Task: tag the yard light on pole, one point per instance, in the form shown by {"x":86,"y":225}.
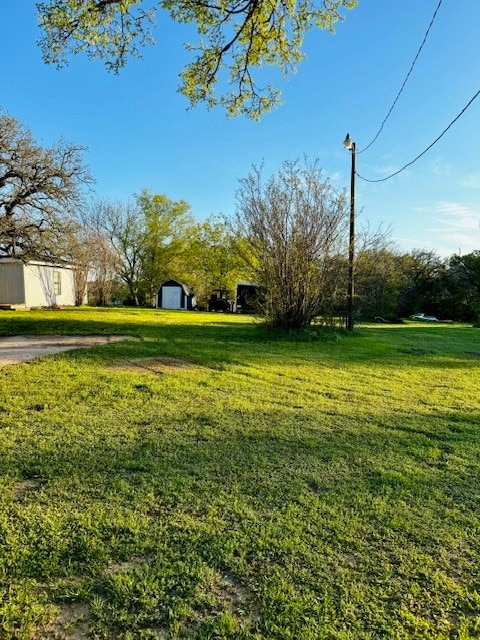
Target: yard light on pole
{"x":350,"y":145}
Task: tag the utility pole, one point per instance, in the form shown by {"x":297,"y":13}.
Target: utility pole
{"x":349,"y":144}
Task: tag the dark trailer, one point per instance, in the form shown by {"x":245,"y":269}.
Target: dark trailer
{"x":247,"y":297}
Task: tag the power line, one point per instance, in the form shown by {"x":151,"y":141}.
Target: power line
{"x":429,"y":146}
{"x":406,"y":79}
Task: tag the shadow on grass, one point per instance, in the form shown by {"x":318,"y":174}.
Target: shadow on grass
{"x":258,"y":458}
{"x":303,"y":502}
{"x":230,"y":339}
{"x":272,"y":497}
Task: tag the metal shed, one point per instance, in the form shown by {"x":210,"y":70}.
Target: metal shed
{"x":173,"y":294}
{"x":36,"y":284}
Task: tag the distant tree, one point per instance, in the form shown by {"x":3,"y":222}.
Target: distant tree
{"x":391,"y":284}
{"x":102,"y":272}
{"x":142,"y":242}
{"x":294,"y":226}
{"x":463,"y":287}
{"x":213,"y":261}
{"x":378,"y":283}
{"x":40,"y":188}
{"x":122,"y":224}
{"x":93,"y":255}
{"x":379,"y":280}
{"x":423,"y":288}
{"x":168,"y":226}
{"x":82,"y":252}
{"x":236,"y":37}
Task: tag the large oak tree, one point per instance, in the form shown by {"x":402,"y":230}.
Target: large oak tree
{"x":236,"y":38}
{"x":40,"y":188}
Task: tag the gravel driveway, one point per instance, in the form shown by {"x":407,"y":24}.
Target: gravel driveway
{"x":22,"y":348}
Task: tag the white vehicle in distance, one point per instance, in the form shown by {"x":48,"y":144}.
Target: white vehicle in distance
{"x":424,"y":318}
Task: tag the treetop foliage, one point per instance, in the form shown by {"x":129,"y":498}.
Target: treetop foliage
{"x":235,"y":38}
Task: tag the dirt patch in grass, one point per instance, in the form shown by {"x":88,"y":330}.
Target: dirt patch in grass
{"x":225,"y":595}
{"x":70,"y":624}
{"x":236,"y":597}
{"x":128,"y":565}
{"x":24,"y":487}
{"x":157,"y":365}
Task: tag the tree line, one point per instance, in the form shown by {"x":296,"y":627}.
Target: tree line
{"x":128,"y":249}
{"x":394,"y":285}
{"x":288,"y":234}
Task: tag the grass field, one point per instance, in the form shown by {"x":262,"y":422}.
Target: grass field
{"x":206,"y":479}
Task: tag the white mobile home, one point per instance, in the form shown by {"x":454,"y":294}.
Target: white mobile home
{"x":36,"y":284}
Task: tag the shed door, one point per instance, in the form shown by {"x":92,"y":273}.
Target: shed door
{"x":171,"y":297}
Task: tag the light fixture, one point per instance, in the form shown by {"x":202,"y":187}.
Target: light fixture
{"x":347,"y":143}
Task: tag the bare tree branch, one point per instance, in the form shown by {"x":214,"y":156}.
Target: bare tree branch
{"x":292,"y":227}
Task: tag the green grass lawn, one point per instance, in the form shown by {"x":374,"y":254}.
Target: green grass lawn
{"x":206,"y":479}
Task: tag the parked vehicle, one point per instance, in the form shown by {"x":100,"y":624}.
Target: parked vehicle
{"x":247,"y":297}
{"x":424,"y":318}
{"x":219,"y":301}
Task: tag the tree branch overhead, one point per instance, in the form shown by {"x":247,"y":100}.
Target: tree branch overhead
{"x":236,"y":38}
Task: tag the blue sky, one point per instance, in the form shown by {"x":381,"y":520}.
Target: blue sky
{"x":139,"y":132}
